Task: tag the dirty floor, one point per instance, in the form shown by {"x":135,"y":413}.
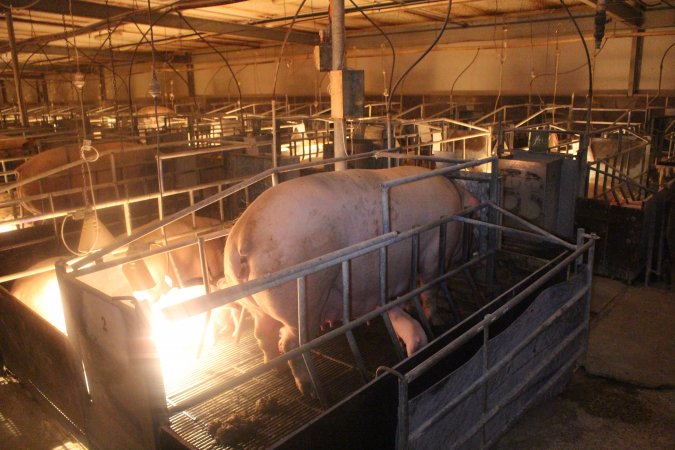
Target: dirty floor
{"x":623,"y":397}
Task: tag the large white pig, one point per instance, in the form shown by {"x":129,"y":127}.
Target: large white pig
{"x":184,"y":266}
{"x":311,"y":216}
{"x":131,"y":166}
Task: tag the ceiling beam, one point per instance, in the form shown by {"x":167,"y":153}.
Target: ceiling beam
{"x":621,"y":10}
{"x":93,"y":10}
{"x":103,"y":55}
{"x":31,"y":70}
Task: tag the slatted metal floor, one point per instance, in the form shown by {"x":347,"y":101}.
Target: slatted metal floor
{"x":334,"y":362}
{"x":335,"y":366}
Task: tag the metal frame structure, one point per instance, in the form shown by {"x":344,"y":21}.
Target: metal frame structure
{"x":82,"y":301}
{"x":421,"y":419}
{"x":620,"y":203}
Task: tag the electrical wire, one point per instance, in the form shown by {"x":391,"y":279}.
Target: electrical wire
{"x":589,"y":99}
{"x":79,"y":89}
{"x":502,"y":60}
{"x":283,"y":46}
{"x":133,"y":57}
{"x":20,"y":7}
{"x":225,"y":60}
{"x":112,"y":63}
{"x":386,"y":37}
{"x":567,"y":72}
{"x":663,"y":58}
{"x":422,"y":56}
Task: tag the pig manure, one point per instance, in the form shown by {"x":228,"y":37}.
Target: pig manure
{"x":213,"y":426}
{"x":267,"y":405}
{"x":233,"y":430}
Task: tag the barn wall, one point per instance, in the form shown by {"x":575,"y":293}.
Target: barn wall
{"x":531,"y":50}
{"x":654,"y":49}
{"x":528,"y":51}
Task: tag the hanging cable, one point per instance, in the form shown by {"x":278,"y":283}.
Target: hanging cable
{"x":20,"y":7}
{"x":112,"y":66}
{"x":422,"y":56}
{"x":386,"y":37}
{"x":452,"y":89}
{"x":155,"y":91}
{"x":283,"y":46}
{"x":663,"y":58}
{"x":589,"y":99}
{"x":502,"y":60}
{"x":227,"y":63}
{"x":78,"y":78}
{"x":557,"y":66}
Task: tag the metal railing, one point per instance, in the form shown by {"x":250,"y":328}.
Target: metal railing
{"x":451,"y":139}
{"x":300,"y":272}
{"x":488,"y":368}
{"x":234,"y":293}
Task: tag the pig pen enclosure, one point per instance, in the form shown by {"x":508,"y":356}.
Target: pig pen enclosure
{"x":127,"y":375}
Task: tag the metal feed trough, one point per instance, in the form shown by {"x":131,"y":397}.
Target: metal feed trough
{"x":464,"y":389}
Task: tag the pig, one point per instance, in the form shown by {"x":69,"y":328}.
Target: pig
{"x":15,"y":146}
{"x":310,"y":216}
{"x":147,"y":120}
{"x":186,"y":259}
{"x":41,"y":292}
{"x":129,"y":165}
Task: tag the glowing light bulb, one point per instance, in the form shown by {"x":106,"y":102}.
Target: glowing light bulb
{"x":78,"y":80}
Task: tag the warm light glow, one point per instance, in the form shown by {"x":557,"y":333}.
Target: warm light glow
{"x":304,"y":148}
{"x":178,"y":341}
{"x":6,"y":212}
{"x":6,"y":228}
{"x":46,"y":301}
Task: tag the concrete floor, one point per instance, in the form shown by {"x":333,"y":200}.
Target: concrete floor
{"x":623,"y":397}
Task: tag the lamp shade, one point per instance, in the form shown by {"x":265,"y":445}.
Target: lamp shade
{"x":138,"y":275}
{"x":94,"y":234}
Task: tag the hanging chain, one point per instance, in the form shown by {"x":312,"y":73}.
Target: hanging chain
{"x":112,"y":66}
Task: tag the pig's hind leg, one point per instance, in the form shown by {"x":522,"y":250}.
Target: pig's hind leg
{"x":303,"y":381}
{"x":266,"y":331}
{"x":407,"y":329}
